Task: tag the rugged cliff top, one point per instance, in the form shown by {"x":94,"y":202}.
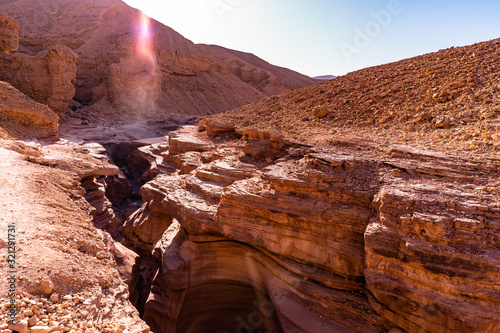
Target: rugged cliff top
{"x":448,"y":100}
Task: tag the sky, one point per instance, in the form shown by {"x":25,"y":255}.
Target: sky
{"x":329,"y":37}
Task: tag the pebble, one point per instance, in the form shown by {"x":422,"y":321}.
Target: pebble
{"x":40,"y":329}
{"x":54,"y":298}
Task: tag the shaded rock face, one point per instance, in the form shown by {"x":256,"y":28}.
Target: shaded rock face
{"x":9,"y":38}
{"x":183,"y":79}
{"x":286,"y":237}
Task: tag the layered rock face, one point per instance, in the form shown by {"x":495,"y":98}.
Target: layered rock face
{"x":47,"y":77}
{"x":184,"y":79}
{"x":256,"y":232}
{"x":432,"y":248}
{"x":21,"y":116}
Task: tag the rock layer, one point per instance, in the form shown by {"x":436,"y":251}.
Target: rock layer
{"x":356,"y":238}
{"x":23,"y":117}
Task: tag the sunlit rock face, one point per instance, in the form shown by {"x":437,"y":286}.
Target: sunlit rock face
{"x":264,"y":234}
{"x":47,"y":77}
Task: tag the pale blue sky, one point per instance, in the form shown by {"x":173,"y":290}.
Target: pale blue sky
{"x":318,"y":37}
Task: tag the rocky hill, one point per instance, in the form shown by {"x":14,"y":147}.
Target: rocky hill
{"x":444,"y":100}
{"x":176,"y":77}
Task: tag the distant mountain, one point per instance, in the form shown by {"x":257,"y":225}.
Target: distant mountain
{"x":325,"y":77}
{"x":177,"y":77}
{"x":257,"y":72}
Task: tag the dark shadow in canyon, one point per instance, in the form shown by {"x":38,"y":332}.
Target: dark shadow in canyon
{"x":227,"y":308}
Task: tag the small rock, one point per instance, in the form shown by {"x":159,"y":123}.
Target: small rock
{"x":423,"y":116}
{"x":54,"y":298}
{"x":32,"y":321}
{"x":101,"y":255}
{"x":20,"y":326}
{"x":28,"y":313}
{"x":320,"y":112}
{"x":40,"y":329}
{"x":68,"y":298}
{"x":442,"y":122}
{"x":46,"y":287}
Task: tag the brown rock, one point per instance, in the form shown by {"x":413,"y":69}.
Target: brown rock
{"x":47,"y":77}
{"x":9,"y":39}
{"x":24,"y":116}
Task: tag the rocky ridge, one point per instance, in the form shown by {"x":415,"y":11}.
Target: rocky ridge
{"x":448,"y":100}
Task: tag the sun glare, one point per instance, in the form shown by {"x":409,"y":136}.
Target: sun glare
{"x":145,"y":37}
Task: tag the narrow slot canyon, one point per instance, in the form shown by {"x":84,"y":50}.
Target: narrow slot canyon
{"x":246,"y":232}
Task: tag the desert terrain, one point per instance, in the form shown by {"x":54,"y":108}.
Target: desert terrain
{"x":165,"y":186}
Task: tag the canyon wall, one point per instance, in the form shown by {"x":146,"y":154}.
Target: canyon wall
{"x":47,"y":77}
{"x":254,"y":232}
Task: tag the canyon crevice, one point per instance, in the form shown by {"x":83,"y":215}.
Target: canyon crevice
{"x":283,"y":236}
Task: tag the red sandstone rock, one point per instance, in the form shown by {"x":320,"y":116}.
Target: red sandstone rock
{"x":9,"y":39}
{"x":21,"y":116}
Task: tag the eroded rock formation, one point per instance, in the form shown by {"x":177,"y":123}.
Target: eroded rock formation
{"x":21,"y":116}
{"x":47,"y":77}
{"x":259,"y":232}
{"x":184,"y":80}
{"x":9,"y":38}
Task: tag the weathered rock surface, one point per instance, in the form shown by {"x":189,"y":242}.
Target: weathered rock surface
{"x":67,"y":278}
{"x":269,"y":79}
{"x":21,"y":116}
{"x":9,"y":38}
{"x":47,"y":77}
{"x":183,"y":79}
{"x":288,"y":237}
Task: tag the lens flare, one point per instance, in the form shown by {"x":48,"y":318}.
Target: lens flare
{"x":145,"y":37}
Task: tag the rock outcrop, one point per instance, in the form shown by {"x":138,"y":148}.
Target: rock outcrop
{"x":181,"y":79}
{"x":66,"y":276}
{"x":259,"y":232}
{"x":47,"y":77}
{"x":21,"y":116}
{"x":9,"y":38}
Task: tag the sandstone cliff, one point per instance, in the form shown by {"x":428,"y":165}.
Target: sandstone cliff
{"x":47,"y":77}
{"x":177,"y":75}
{"x":332,"y":230}
{"x":284,"y":236}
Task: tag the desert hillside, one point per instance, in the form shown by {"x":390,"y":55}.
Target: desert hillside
{"x":445,"y":100}
{"x":178,"y":77}
{"x":369,"y":203}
